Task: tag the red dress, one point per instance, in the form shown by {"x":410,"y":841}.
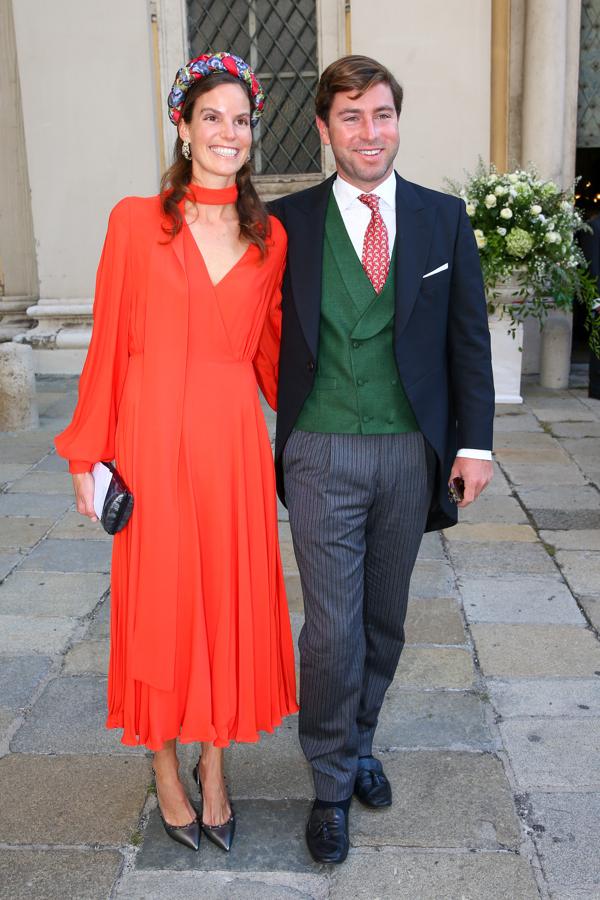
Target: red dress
{"x":201,"y":646}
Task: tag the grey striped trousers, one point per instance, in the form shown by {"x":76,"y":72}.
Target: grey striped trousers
{"x":357,"y":506}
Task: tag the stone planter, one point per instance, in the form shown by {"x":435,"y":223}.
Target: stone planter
{"x":507,"y":356}
{"x":555,"y":340}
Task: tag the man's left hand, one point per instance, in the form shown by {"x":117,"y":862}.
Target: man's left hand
{"x":476,"y":474}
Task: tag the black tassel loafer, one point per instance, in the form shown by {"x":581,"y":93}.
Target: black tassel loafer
{"x":188,"y":835}
{"x":327,"y":835}
{"x":371,"y":786}
{"x":221,"y":835}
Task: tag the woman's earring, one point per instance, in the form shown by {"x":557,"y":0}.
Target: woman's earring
{"x":185,"y":150}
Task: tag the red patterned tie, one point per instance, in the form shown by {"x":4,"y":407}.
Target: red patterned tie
{"x":376,"y":250}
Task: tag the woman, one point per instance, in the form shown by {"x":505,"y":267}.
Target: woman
{"x":186,"y":321}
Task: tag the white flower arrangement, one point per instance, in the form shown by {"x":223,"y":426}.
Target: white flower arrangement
{"x":524,"y":228}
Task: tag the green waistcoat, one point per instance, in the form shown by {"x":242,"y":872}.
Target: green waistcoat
{"x":357,"y":388}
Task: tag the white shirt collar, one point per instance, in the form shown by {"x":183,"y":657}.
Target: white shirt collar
{"x":346,"y":193}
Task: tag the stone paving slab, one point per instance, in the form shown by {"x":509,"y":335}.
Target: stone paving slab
{"x":87,"y":657}
{"x":8,"y":561}
{"x":432,"y":578}
{"x":500,"y":559}
{"x":400,"y":874}
{"x":71,"y":799}
{"x":431,"y":546}
{"x":547,"y":754}
{"x":532,"y":474}
{"x":491,"y":532}
{"x":581,"y":569}
{"x":584,"y":450}
{"x":20,"y":676}
{"x":565,"y":519}
{"x":7,"y":717}
{"x":293,"y":590}
{"x":269,"y":837}
{"x":524,"y":440}
{"x":69,"y":717}
{"x":42,"y":482}
{"x":22,"y":533}
{"x":433,"y":720}
{"x":568,"y":697}
{"x":11,"y":471}
{"x":523,"y":421}
{"x":53,"y":463}
{"x":79,"y":527}
{"x":582,"y":539}
{"x":296,"y":622}
{"x":575,"y":429}
{"x":490,"y":508}
{"x":70,"y":556}
{"x":435,"y":667}
{"x":40,"y":594}
{"x":272,"y":769}
{"x":169,"y":885}
{"x":536,"y":650}
{"x":527,"y":599}
{"x":40,"y":505}
{"x":58,"y":874}
{"x":288,"y":560}
{"x":434,"y":621}
{"x":562,"y":411}
{"x":550,"y":454}
{"x":99,"y":626}
{"x":560,"y":497}
{"x":591,"y":607}
{"x":24,"y":446}
{"x":447,"y":799}
{"x":567,"y":835}
{"x":21,"y":634}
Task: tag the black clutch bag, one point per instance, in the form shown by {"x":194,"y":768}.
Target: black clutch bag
{"x":113,"y":501}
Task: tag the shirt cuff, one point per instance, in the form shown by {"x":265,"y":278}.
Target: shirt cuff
{"x":77,"y":466}
{"x":476,"y":454}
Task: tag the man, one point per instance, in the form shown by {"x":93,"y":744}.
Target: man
{"x":384,"y":374}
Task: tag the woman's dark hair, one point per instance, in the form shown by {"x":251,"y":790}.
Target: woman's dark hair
{"x":353,"y":74}
{"x":252,"y":213}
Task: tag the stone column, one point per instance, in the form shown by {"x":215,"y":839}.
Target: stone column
{"x":550,"y":86}
{"x":18,"y":267}
{"x":63,"y":324}
{"x":18,"y":404}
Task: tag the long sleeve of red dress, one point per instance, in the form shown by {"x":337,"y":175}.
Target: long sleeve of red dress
{"x":91,"y":435}
{"x":266,"y":359}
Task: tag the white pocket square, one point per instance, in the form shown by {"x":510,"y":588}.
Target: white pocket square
{"x":435,"y":271}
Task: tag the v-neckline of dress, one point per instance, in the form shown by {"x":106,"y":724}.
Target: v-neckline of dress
{"x":216,"y":284}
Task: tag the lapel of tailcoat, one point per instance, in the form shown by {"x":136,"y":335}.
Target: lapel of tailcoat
{"x":305,"y":223}
{"x":414,"y":231}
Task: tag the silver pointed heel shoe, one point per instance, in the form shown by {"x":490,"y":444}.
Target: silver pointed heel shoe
{"x":188,"y":835}
{"x":221,"y":835}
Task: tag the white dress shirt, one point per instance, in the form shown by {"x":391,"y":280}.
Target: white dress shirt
{"x":356,"y":217}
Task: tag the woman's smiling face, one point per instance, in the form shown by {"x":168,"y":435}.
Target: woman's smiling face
{"x":219,"y":133}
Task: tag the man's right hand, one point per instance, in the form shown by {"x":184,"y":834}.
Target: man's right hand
{"x":83,"y":485}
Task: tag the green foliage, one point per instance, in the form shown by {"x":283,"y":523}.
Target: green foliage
{"x":525,"y":228}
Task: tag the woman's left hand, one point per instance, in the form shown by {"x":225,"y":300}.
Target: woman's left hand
{"x":83,"y":485}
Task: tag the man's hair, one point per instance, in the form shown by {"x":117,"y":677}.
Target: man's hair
{"x":353,"y":74}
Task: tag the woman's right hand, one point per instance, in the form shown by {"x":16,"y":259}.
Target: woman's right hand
{"x":83,"y":485}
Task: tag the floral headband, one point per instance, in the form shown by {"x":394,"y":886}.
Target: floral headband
{"x":204,"y":65}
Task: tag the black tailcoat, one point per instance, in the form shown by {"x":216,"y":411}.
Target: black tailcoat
{"x":441,"y":335}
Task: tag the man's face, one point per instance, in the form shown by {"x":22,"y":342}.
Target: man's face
{"x":364,"y":136}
